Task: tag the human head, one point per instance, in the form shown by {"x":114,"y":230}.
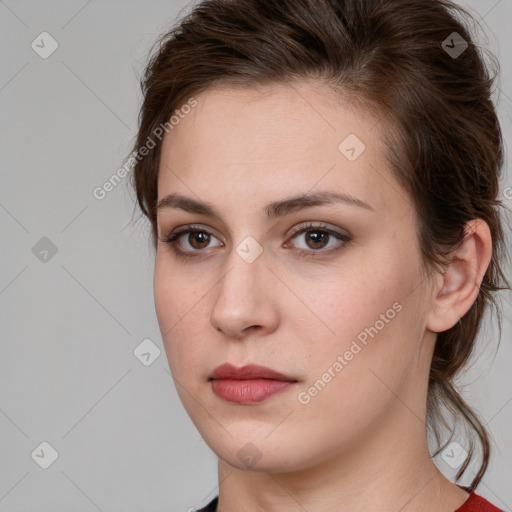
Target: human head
{"x":441,"y":133}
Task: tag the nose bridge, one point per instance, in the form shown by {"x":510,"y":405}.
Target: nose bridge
{"x":245,"y":269}
{"x":242,"y":298}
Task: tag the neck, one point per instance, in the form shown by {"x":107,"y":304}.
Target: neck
{"x":386,"y":470}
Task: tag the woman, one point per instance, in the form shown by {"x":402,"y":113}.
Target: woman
{"x":324,"y":210}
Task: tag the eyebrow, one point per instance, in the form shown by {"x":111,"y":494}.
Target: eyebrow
{"x":272,"y":210}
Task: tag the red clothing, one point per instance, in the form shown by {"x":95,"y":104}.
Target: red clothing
{"x":474,"y":503}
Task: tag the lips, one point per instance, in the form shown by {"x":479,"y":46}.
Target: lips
{"x":248,"y":385}
{"x":251,"y":371}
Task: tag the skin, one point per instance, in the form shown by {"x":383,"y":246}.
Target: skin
{"x":360,"y":443}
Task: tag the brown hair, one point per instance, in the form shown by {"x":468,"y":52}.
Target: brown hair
{"x":445,"y":147}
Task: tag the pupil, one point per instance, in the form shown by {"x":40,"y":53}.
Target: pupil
{"x":196,"y":236}
{"x":318,"y":235}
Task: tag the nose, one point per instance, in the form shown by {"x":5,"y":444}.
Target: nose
{"x":245,"y":301}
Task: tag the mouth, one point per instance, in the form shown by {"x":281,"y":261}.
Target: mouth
{"x":248,"y":372}
{"x":248,"y":384}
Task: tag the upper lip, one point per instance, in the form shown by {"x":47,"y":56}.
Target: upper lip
{"x":251,"y":371}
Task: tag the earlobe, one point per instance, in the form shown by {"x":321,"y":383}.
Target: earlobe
{"x":460,"y":283}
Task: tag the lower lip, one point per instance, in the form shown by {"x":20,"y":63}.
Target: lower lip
{"x":248,"y":391}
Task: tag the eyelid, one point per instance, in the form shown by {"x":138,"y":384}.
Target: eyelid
{"x":178,"y":232}
{"x":295,"y":229}
{"x":335,"y":232}
{"x":341,"y":237}
{"x":321,"y":226}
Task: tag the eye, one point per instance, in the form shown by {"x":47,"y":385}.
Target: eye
{"x":318,"y":237}
{"x":191,"y":241}
{"x":187,"y":241}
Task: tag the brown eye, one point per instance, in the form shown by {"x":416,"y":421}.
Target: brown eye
{"x":189,"y":241}
{"x":198,"y":239}
{"x":318,"y":239}
{"x":194,"y":242}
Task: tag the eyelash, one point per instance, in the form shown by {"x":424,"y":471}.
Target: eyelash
{"x":172,"y":240}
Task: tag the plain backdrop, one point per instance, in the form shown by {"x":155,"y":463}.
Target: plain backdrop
{"x":76,"y":297}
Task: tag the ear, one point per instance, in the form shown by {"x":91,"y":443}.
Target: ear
{"x":457,"y":289}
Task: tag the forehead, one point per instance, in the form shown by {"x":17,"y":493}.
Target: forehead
{"x":268,"y":138}
{"x":269,"y":120}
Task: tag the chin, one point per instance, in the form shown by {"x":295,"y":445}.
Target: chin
{"x":259,"y":453}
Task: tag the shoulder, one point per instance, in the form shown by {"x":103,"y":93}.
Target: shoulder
{"x":476,"y":503}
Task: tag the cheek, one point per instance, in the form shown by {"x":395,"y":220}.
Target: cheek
{"x":358,"y":317}
{"x":178,"y":305}
{"x":178,"y":292}
{"x":338,"y":307}
{"x":350,"y":376}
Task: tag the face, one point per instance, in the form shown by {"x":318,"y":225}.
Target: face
{"x":328,"y":293}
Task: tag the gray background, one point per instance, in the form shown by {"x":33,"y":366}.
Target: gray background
{"x":70,"y":324}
